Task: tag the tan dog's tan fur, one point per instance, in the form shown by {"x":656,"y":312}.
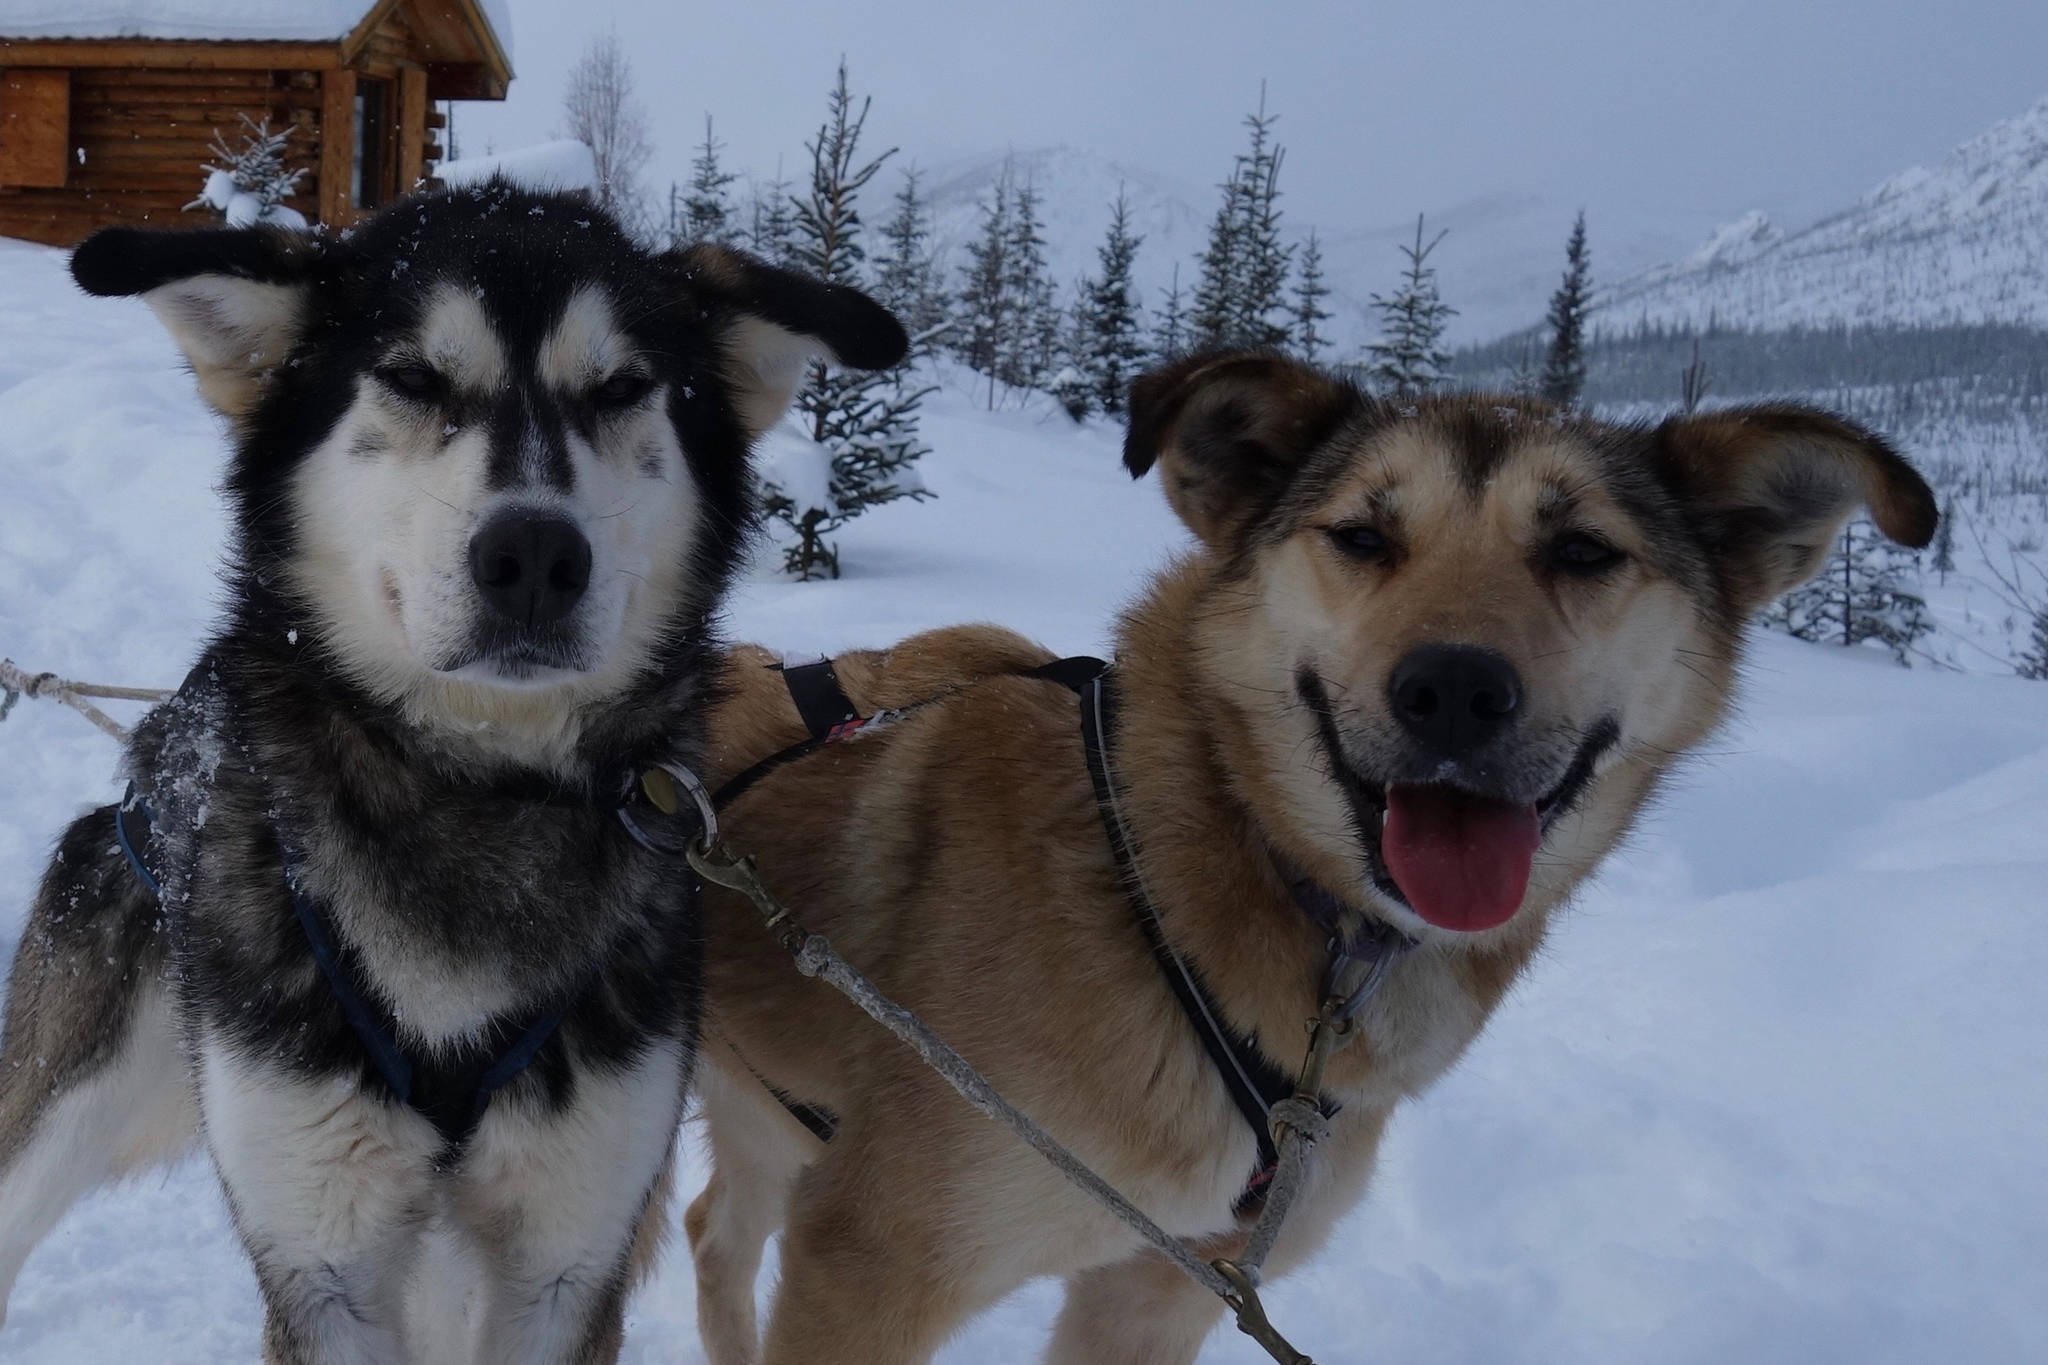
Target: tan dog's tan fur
{"x":958,"y":858}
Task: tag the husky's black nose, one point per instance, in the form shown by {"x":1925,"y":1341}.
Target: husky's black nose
{"x":1454,"y":698}
{"x":532,"y":570}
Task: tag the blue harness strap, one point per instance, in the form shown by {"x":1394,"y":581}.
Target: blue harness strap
{"x":132,"y":822}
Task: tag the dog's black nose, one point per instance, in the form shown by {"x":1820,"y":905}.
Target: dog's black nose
{"x":1454,"y":698}
{"x":532,"y":570}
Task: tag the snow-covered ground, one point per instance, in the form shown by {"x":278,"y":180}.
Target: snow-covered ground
{"x":1774,"y":1094}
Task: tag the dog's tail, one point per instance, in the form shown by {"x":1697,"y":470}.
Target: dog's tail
{"x":93,"y":1080}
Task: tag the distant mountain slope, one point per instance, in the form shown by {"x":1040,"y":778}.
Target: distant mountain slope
{"x":1965,"y":242}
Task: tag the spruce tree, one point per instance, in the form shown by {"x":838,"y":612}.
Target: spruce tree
{"x":1564,"y":369}
{"x":864,"y":423}
{"x":1409,"y":358}
{"x":771,"y":232}
{"x":1170,"y":336}
{"x":1309,"y":293}
{"x":1263,"y":319}
{"x":904,"y":278}
{"x":707,"y":208}
{"x":1028,"y":352}
{"x":1108,"y":346}
{"x":1866,"y":591}
{"x":1240,"y":300}
{"x":1945,"y":541}
{"x":1212,"y":314}
{"x":984,"y":302}
{"x":2033,"y":662}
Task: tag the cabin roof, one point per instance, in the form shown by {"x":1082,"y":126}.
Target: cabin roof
{"x":216,"y":20}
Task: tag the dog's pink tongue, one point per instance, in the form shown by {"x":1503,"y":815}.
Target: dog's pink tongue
{"x":1461,"y":861}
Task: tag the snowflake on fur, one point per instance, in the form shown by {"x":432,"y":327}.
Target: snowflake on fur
{"x":249,"y":184}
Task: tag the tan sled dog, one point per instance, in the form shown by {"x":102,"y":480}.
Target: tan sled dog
{"x":1431,"y":659}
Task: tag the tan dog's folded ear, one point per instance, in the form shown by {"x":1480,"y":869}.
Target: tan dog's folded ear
{"x":234,"y":299}
{"x":781,"y":321}
{"x":1229,"y":432}
{"x":1773,"y":485}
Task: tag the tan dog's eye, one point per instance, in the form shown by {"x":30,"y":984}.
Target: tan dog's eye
{"x":1587,"y":556}
{"x":1360,"y":542}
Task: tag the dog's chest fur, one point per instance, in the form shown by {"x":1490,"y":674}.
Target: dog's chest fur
{"x":465,"y":900}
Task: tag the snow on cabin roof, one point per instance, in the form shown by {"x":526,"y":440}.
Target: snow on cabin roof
{"x":209,"y":20}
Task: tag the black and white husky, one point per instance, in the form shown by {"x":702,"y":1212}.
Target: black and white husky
{"x":428,"y":1004}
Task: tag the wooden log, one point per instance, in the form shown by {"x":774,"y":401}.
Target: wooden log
{"x":337,"y":147}
{"x":412,"y":127}
{"x":169,"y":55}
{"x":173,"y":78}
{"x":35,"y":138}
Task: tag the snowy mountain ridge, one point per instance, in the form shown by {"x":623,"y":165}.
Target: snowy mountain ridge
{"x":1965,"y":241}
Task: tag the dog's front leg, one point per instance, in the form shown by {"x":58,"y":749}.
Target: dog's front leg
{"x":556,"y":1199}
{"x":330,"y":1190}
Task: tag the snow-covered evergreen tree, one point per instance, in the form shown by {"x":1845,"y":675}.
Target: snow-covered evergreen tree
{"x":1170,"y":333}
{"x":1309,"y":292}
{"x":1219,"y":290}
{"x":864,"y":423}
{"x":2033,"y":662}
{"x":983,"y":317}
{"x":1264,"y":319}
{"x":1108,"y":344}
{"x":1240,"y":299}
{"x":1868,"y":590}
{"x":906,"y":274}
{"x":248,"y":184}
{"x":771,"y":228}
{"x":1564,"y":369}
{"x":1409,"y":358}
{"x":707,"y":208}
{"x":1945,"y":541}
{"x":1028,"y":352}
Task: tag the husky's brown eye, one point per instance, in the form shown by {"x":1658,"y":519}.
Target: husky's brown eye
{"x":1360,"y":542}
{"x":622,"y":390}
{"x":412,"y":380}
{"x":1585,"y":555}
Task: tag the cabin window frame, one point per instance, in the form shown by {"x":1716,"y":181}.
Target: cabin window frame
{"x":374,"y":163}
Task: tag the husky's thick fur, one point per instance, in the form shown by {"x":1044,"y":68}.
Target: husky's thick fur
{"x":1434,"y":656}
{"x":490,"y":479}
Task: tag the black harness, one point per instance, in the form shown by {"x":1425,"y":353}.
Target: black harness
{"x":1255,"y":1083}
{"x":450,"y":1090}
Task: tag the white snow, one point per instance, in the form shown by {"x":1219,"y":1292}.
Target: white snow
{"x":240,"y":208}
{"x":208,"y":20}
{"x":1774,"y":1094}
{"x":797,"y":467}
{"x":563,"y":165}
{"x":256,"y":20}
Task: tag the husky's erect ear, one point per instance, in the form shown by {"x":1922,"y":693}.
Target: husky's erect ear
{"x":1772,"y":486}
{"x":779,"y":321}
{"x":1229,"y":432}
{"x":233,"y":298}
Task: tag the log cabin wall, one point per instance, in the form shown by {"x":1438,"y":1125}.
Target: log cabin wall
{"x":136,"y":128}
{"x":140,"y":137}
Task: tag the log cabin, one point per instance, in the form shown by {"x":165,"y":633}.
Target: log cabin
{"x":109,"y":108}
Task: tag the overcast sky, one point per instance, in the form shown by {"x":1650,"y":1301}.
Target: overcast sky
{"x":1633,"y":107}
